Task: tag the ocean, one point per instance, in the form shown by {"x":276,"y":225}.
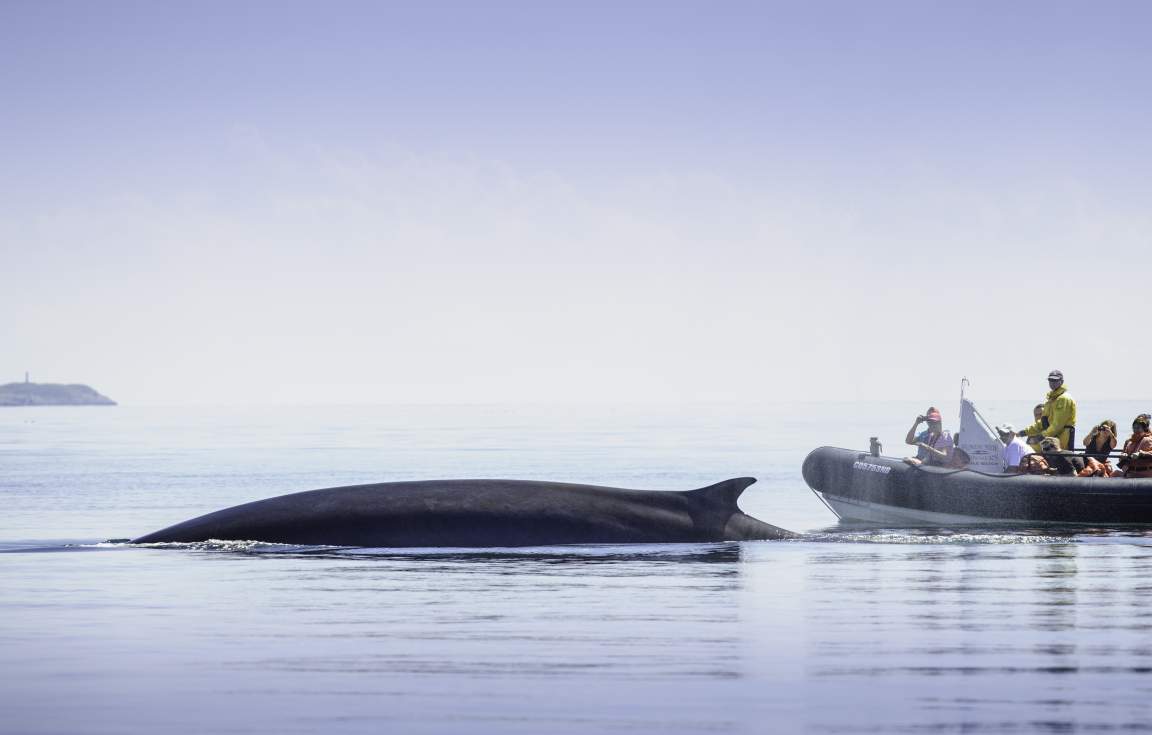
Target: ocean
{"x":845,"y":630}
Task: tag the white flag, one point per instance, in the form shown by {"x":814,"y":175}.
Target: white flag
{"x":979,"y":440}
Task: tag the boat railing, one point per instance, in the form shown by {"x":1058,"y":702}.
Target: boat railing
{"x":1083,"y":453}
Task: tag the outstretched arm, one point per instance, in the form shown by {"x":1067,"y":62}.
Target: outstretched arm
{"x":1036,"y":429}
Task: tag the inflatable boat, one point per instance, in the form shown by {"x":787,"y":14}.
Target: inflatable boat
{"x":860,"y":486}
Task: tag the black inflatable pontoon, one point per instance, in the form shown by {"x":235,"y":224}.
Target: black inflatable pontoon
{"x":858,"y":486}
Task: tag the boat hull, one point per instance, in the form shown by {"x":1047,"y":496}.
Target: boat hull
{"x":860,"y":487}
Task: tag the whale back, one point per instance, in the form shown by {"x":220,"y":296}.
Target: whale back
{"x":476,"y":513}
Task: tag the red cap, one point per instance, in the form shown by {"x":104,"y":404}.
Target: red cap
{"x":933,"y":414}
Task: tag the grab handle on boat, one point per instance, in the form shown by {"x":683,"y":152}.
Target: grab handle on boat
{"x":874,"y":446}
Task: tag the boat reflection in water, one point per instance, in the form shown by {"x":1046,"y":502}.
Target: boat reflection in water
{"x":981,"y":638}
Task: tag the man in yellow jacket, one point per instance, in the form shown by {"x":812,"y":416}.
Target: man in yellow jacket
{"x":1059,"y":417}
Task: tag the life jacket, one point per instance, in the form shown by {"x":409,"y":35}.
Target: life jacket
{"x":932,"y":440}
{"x":1141,"y":464}
{"x":1095,"y":468}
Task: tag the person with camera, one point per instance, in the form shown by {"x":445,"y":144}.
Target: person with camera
{"x":1101,"y":440}
{"x":934,"y":445}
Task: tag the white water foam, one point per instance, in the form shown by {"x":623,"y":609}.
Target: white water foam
{"x":933,"y":539}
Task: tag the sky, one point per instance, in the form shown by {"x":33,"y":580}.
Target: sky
{"x":376,"y":202}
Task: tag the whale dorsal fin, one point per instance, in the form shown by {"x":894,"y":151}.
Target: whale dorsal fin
{"x":724,"y":493}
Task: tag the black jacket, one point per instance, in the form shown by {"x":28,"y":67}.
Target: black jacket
{"x":1065,"y":462}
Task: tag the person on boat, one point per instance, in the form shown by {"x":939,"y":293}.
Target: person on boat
{"x":1015,"y":448}
{"x":933,"y":445}
{"x":1137,"y":458}
{"x":1101,"y":440}
{"x":1037,"y":414}
{"x":958,"y":459}
{"x":1034,"y":464}
{"x":1095,"y":468}
{"x":1062,"y":461}
{"x":1059,"y":418}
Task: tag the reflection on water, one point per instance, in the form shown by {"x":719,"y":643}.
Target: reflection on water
{"x":583,"y":553}
{"x":984,"y":639}
{"x":560,"y":639}
{"x":847,"y":630}
{"x":819,"y":637}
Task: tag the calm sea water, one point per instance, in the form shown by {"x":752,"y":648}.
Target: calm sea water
{"x":846,"y":631}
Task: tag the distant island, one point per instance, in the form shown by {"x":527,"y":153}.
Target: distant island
{"x":51,"y":394}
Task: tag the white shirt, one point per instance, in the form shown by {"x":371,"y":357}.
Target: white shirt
{"x":1015,"y":450}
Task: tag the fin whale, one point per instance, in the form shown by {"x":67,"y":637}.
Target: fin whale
{"x":482,"y":513}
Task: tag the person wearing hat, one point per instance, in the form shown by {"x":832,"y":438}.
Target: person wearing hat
{"x":1015,"y":449}
{"x":933,"y":445}
{"x":1062,"y":461}
{"x":1059,"y":418}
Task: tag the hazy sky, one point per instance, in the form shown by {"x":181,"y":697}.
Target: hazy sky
{"x":438,"y":202}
